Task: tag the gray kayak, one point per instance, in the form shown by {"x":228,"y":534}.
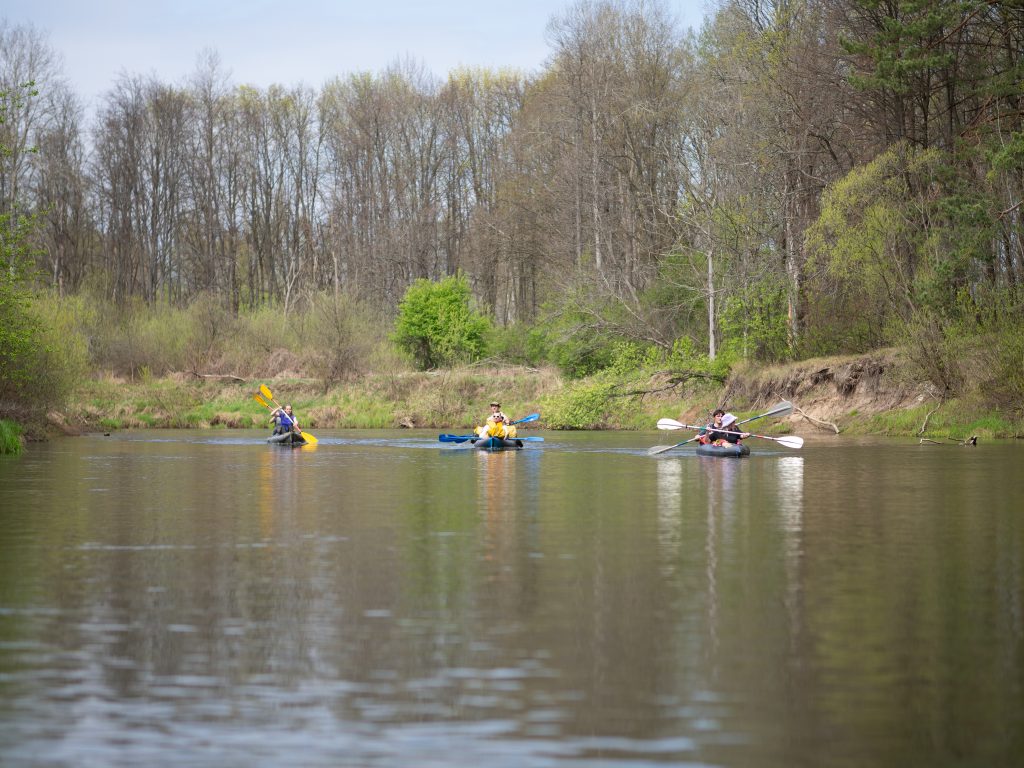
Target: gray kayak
{"x":287,"y":438}
{"x":730,"y":451}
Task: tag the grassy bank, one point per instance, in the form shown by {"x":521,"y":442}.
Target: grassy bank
{"x":451,"y":398}
{"x":856,"y":395}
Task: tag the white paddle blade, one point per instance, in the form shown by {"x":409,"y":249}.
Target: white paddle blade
{"x":790,"y":441}
{"x":781,"y":409}
{"x":669,"y":424}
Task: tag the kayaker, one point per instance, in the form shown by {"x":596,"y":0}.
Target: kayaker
{"x":729,"y":433}
{"x":708,"y":433}
{"x":715,"y":432}
{"x":497,"y":424}
{"x":284,"y":420}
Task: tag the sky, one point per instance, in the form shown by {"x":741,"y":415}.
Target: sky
{"x":289,"y":42}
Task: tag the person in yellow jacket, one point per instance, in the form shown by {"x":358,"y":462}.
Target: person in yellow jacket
{"x":497,"y":424}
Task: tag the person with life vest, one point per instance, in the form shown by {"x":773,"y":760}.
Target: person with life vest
{"x":497,"y":424}
{"x":721,"y":430}
{"x":284,"y":420}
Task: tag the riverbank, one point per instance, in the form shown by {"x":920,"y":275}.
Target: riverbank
{"x":865,"y":394}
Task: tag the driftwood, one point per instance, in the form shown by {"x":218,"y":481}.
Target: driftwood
{"x":817,"y":422}
{"x":927,"y":416}
{"x":218,"y":376}
{"x":972,"y":440}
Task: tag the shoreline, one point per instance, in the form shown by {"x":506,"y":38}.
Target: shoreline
{"x":853,"y":395}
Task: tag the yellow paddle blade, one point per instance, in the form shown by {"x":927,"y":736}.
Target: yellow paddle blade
{"x":266,"y":392}
{"x":260,"y":400}
{"x":309,"y":438}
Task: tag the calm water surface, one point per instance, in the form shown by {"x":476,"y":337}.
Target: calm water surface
{"x":204,"y":599}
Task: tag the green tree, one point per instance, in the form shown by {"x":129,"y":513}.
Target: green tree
{"x":437,"y":325}
{"x":33,"y":373}
{"x":18,"y":330}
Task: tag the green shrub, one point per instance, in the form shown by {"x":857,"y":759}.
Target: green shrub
{"x":10,"y":437}
{"x":437,"y":326}
{"x":582,"y":405}
{"x":519,"y":344}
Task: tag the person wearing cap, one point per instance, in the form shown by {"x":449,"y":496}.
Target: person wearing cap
{"x":497,"y":424}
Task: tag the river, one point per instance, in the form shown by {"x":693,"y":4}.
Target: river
{"x":202,"y":598}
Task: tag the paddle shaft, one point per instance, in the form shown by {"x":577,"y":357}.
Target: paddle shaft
{"x":730,"y":432}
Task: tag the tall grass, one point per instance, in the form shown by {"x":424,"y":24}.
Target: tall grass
{"x":10,"y":438}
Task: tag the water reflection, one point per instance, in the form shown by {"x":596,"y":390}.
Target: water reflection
{"x":376,"y":603}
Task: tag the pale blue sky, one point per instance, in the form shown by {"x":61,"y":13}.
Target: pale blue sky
{"x":261,"y":42}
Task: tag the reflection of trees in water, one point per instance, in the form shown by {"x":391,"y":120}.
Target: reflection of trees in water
{"x":790,"y":494}
{"x":729,"y":491}
{"x":670,"y":524}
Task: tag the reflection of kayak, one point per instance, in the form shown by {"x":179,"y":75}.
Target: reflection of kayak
{"x":723,"y":451}
{"x":287,"y":438}
{"x":496,"y":443}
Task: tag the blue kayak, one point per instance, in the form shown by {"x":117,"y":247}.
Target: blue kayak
{"x":730,"y":451}
{"x":496,"y":443}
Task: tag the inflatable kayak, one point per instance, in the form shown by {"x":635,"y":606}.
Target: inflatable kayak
{"x":496,"y":443}
{"x":723,"y":451}
{"x":287,"y":438}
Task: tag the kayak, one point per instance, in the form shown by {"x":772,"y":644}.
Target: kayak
{"x":496,"y":443}
{"x":724,"y":451}
{"x":287,"y":438}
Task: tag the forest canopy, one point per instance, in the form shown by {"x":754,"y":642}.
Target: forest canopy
{"x":802,"y":177}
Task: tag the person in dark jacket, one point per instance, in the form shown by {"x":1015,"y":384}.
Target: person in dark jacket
{"x":721,"y":430}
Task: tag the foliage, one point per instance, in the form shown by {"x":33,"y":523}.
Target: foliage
{"x":437,"y":325}
{"x":10,"y":437}
{"x":686,"y":358}
{"x":23,"y":355}
{"x":519,"y":343}
{"x":588,"y":404}
{"x":753,"y":323}
{"x":580,"y":331}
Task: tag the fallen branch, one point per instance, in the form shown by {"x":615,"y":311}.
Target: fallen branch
{"x":673,"y":382}
{"x":817,"y":422}
{"x":218,"y":376}
{"x":972,"y":440}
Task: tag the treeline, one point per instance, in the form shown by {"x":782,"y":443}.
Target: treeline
{"x":803,"y":177}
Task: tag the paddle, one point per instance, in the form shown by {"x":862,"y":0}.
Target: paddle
{"x":474,"y":438}
{"x":270,"y":396}
{"x":780,"y":409}
{"x":464,"y":438}
{"x":790,"y":441}
{"x":265,"y":404}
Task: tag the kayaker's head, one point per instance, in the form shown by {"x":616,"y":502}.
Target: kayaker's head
{"x":717,"y":416}
{"x":728,"y":419}
{"x":495,"y":406}
{"x":288,"y":409}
